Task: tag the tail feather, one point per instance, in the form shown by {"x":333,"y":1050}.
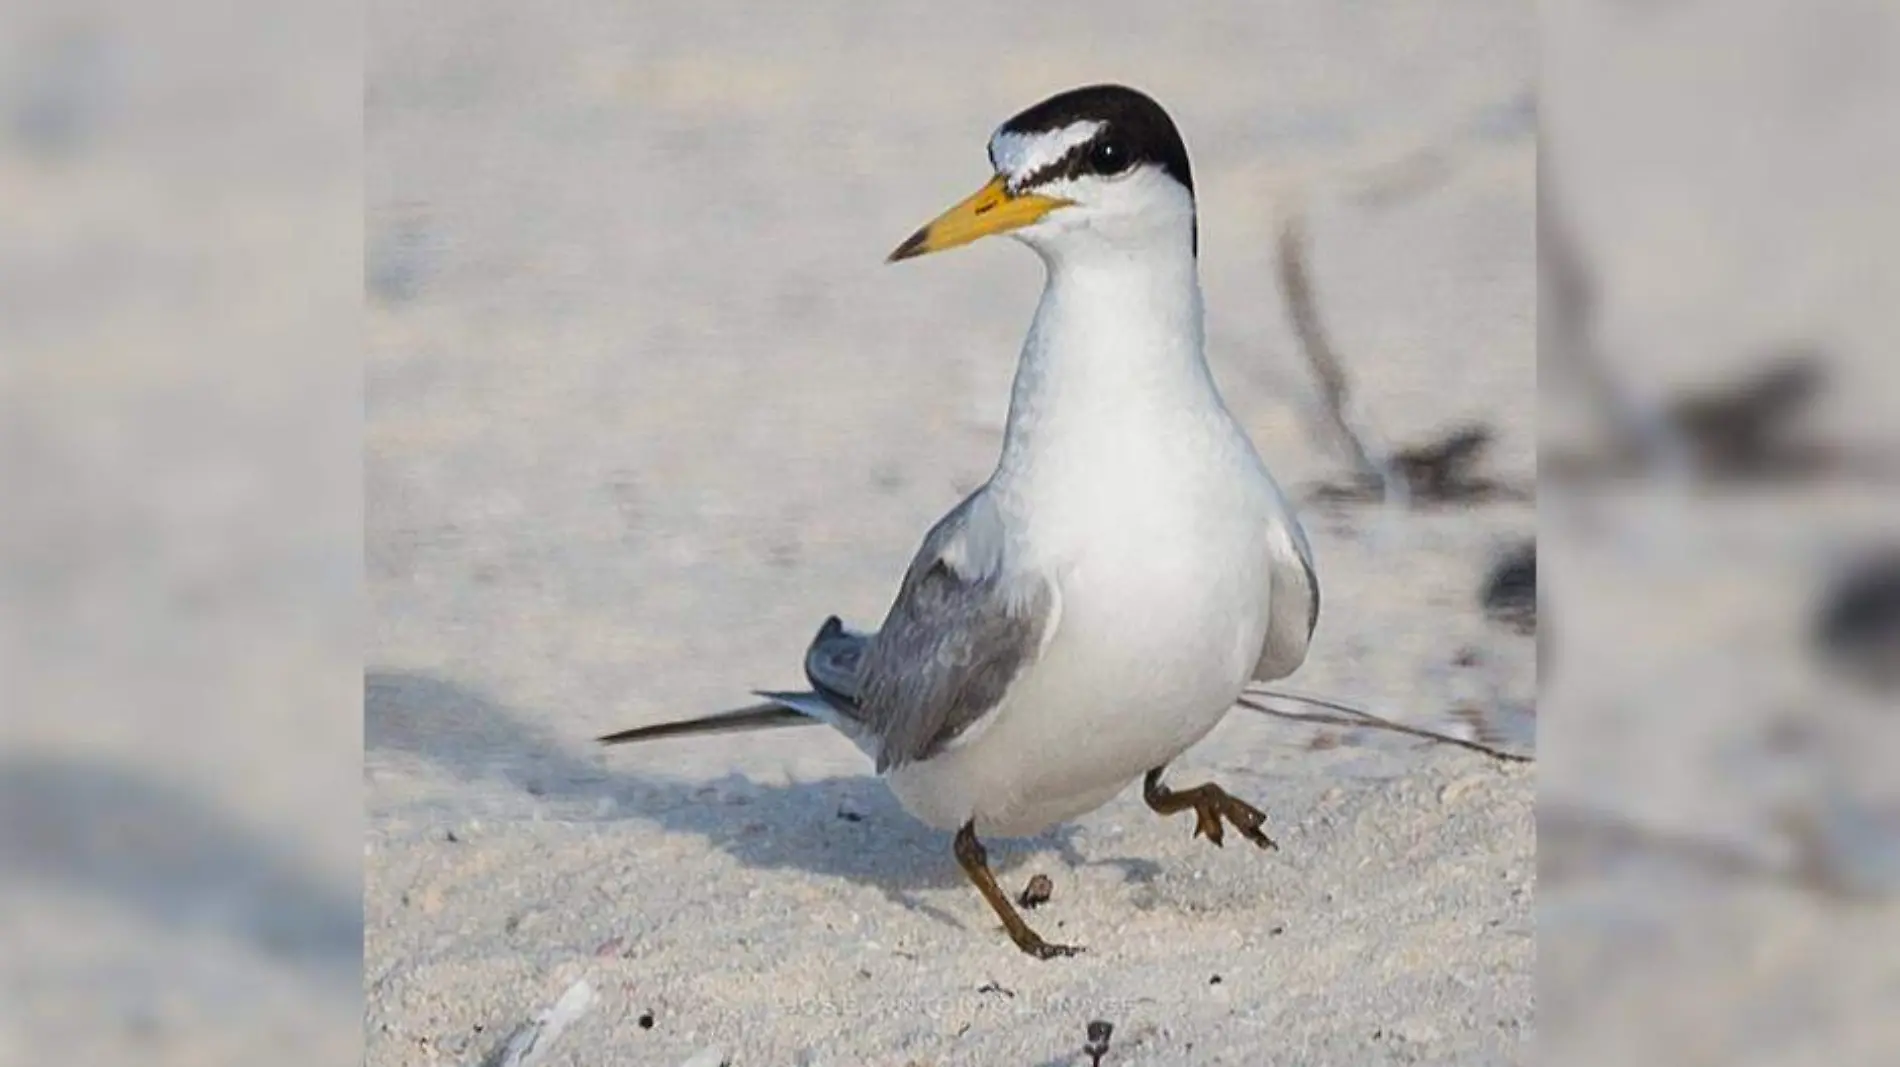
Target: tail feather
{"x":815,"y":706}
{"x":757,"y":717}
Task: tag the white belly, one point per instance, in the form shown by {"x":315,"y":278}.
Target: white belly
{"x":1160,"y":627}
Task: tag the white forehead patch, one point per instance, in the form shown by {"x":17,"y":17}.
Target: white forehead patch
{"x":1017,"y":154}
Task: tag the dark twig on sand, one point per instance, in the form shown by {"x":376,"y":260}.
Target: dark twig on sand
{"x":1349,"y":716}
{"x":1747,"y":430}
{"x":1335,"y":393}
{"x":1567,"y":338}
{"x":1443,"y":469}
{"x":1440,"y":471}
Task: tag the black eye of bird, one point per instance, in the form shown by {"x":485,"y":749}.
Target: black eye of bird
{"x":1108,"y":157}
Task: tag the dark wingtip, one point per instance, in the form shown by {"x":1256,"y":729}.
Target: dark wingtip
{"x":912,"y":247}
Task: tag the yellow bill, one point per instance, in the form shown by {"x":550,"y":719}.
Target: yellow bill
{"x":990,"y":210}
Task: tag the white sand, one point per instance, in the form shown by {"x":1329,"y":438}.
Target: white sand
{"x":645,"y":407}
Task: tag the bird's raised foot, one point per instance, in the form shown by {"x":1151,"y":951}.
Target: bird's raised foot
{"x":1244,"y":816}
{"x":1213,"y":808}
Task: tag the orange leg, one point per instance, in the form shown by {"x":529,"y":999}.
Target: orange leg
{"x":976,"y":864}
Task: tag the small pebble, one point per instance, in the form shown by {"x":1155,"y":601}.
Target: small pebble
{"x":1037,"y":892}
{"x":645,"y":1020}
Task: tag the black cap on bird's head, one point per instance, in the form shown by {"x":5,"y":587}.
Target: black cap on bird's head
{"x":1127,"y":129}
{"x":1097,"y":158}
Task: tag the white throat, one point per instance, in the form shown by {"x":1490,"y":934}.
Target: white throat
{"x":1115,"y":350}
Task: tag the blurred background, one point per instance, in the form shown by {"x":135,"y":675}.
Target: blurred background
{"x":180,"y":552}
{"x":1718,"y":809}
{"x":617,"y":268}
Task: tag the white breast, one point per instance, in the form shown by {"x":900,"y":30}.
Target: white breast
{"x":1162,"y":578}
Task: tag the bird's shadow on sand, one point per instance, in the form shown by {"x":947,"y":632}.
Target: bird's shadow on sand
{"x":116,"y":833}
{"x":851,"y":828}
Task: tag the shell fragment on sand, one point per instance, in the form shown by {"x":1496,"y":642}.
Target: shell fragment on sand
{"x":530,"y":1041}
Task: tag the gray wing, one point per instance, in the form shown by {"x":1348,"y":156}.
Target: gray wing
{"x":963,"y":625}
{"x":1293,"y":602}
